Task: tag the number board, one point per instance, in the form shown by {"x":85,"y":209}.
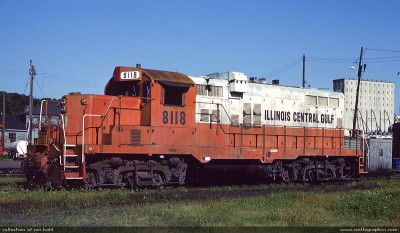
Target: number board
{"x":173,"y":117}
{"x":127,"y":75}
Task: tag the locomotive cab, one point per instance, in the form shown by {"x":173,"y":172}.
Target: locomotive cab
{"x":166,"y":98}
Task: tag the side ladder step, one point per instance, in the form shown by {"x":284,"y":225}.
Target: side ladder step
{"x":72,"y":176}
{"x":71,"y":166}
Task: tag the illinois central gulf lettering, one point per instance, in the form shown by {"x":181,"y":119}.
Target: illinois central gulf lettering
{"x":277,"y":115}
{"x":305,"y":117}
{"x":326,"y":118}
{"x":301,"y":117}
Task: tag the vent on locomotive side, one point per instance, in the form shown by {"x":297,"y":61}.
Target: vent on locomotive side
{"x":135,"y":137}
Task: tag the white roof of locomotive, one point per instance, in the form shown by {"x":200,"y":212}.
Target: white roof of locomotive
{"x":261,"y":88}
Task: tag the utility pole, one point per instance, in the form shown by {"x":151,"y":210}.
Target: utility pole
{"x":304,"y":71}
{"x":354,"y":133}
{"x":32,"y":74}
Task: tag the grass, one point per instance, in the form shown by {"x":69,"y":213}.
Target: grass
{"x":366,"y":203}
{"x":11,"y":179}
{"x":4,"y":157}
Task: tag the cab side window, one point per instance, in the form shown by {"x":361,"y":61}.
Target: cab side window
{"x":146,"y":91}
{"x":174,"y":95}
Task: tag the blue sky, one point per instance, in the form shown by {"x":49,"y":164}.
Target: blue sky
{"x":75,"y":45}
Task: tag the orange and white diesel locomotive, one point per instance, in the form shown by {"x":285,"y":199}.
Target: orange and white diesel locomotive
{"x":154,"y":128}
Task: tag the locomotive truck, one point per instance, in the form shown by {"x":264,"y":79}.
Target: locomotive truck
{"x":161,"y":128}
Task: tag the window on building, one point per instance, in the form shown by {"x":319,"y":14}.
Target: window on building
{"x":12,"y":137}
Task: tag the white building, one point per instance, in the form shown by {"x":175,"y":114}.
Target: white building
{"x":375,"y":104}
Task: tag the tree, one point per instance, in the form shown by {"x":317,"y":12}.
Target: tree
{"x":17,"y":103}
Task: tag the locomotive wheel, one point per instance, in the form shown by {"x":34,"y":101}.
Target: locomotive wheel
{"x":285,"y":175}
{"x":131,"y":179}
{"x":91,"y":181}
{"x":347,"y":171}
{"x":158,"y":179}
{"x":54,"y":177}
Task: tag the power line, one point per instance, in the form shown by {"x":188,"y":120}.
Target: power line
{"x":40,"y":88}
{"x":393,"y":60}
{"x":329,"y":59}
{"x":62,"y":78}
{"x":26,"y":87}
{"x":384,"y":50}
{"x":283,"y":68}
{"x":12,"y":72}
{"x":340,"y":60}
{"x":383,"y":58}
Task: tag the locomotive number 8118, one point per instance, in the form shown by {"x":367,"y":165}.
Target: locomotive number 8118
{"x":153,"y":128}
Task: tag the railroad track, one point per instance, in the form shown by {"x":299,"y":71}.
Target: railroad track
{"x":246,"y":190}
{"x":10,"y":168}
{"x":11,"y":172}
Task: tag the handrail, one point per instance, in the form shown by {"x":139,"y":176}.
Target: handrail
{"x":108,"y":108}
{"x":83,"y":132}
{"x":218,"y":120}
{"x":40,"y":114}
{"x":65,"y":139}
{"x":264,"y":134}
{"x":230,"y":120}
